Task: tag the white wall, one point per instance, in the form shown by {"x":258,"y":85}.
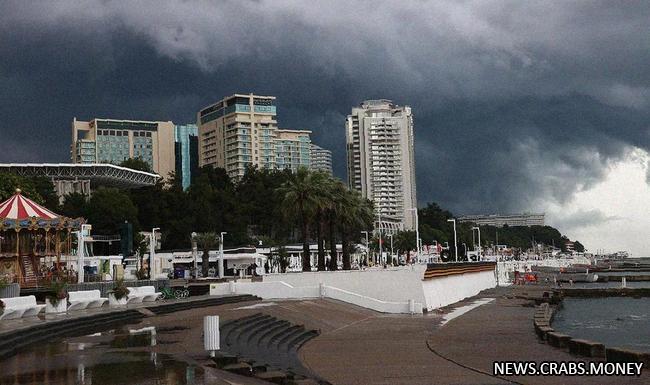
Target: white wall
{"x":443,"y":291}
{"x":282,"y":290}
{"x":385,"y":290}
{"x":389,"y":285}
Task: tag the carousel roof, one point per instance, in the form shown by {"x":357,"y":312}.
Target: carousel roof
{"x":19,"y":208}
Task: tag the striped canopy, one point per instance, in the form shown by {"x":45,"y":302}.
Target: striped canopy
{"x":20,"y":208}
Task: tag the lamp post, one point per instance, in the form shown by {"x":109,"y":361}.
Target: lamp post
{"x":220,"y":262}
{"x":391,"y":247}
{"x":455,"y":238}
{"x":479,"y":240}
{"x":81,"y":238}
{"x":194,"y":253}
{"x":379,"y":259}
{"x":367,"y":247}
{"x":417,"y":231}
{"x":465,"y":245}
{"x":152,"y":250}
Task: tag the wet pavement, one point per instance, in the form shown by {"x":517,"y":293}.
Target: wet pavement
{"x":455,"y":345}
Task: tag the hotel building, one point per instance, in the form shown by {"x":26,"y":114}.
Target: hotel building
{"x":242,"y":131}
{"x":321,"y":159}
{"x":237,"y":132}
{"x":292,"y":149}
{"x":500,"y":220}
{"x":114,"y":141}
{"x":381,"y":164}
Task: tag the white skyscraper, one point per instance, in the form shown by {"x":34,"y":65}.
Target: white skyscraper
{"x":381,"y":162}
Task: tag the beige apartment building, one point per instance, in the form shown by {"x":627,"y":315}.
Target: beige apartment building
{"x":292,"y":149}
{"x":242,"y":131}
{"x":238,"y":131}
{"x":114,"y":141}
{"x":321,"y":159}
{"x":381,"y":162}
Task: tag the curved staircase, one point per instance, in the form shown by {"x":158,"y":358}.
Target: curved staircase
{"x":265,"y":346}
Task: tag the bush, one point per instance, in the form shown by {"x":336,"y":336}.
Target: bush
{"x":58,"y":291}
{"x":4,"y":281}
{"x":141,"y":274}
{"x":119,"y":290}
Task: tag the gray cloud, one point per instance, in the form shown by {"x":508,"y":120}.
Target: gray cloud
{"x":585,"y":218}
{"x":513,"y":101}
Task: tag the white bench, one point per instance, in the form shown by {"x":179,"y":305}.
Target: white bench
{"x":18,"y":307}
{"x":142,"y":294}
{"x":85,"y":299}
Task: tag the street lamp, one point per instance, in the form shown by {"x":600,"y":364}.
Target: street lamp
{"x":81,"y":238}
{"x":195,"y":253}
{"x":479,"y":240}
{"x":367,"y":246}
{"x":379,"y":259}
{"x":417,"y":231}
{"x":220,"y":262}
{"x":152,"y":249}
{"x":455,"y":239}
{"x":391,"y":247}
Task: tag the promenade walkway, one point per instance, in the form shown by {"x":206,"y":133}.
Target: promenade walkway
{"x":421,"y":350}
{"x":356,"y":345}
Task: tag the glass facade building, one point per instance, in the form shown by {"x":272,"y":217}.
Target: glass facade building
{"x":186,"y":152}
{"x":114,"y":141}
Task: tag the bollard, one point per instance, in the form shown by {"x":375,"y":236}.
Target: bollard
{"x":231,"y":284}
{"x":321,"y":290}
{"x":623,"y":283}
{"x":411,"y":306}
{"x":211,"y":334}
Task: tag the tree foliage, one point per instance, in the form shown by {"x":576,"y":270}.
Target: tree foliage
{"x":136,"y":164}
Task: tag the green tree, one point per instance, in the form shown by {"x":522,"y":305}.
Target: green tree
{"x":205,"y":242}
{"x":404,"y":242}
{"x":108,"y":208}
{"x":10,"y":182}
{"x":75,"y":205}
{"x":356,"y":214}
{"x":136,"y":164}
{"x":300,"y":202}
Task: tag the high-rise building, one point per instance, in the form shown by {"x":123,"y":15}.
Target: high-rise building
{"x":186,"y":152}
{"x":321,"y":159}
{"x":381,"y":162}
{"x":114,"y":141}
{"x":237,"y":132}
{"x":292,"y":149}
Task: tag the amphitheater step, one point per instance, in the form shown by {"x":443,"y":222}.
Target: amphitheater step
{"x":265,"y":342}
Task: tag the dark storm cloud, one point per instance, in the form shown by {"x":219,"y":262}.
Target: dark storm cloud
{"x":514,"y":102}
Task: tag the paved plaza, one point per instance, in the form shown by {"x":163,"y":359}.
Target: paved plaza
{"x":355,"y":345}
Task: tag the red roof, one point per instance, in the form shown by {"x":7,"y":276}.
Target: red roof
{"x":18,"y":208}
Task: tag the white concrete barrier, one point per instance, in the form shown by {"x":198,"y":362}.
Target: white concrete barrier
{"x":443,"y":291}
{"x":397,"y":290}
{"x":282,"y":290}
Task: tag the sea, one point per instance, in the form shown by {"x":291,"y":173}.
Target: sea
{"x":614,"y":321}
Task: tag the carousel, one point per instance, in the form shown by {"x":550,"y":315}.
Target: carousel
{"x":31,"y":237}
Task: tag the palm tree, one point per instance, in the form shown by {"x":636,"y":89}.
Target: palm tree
{"x":205,"y":242}
{"x":355,"y":214}
{"x":324,"y":200}
{"x":300,"y":200}
{"x":338,"y":193}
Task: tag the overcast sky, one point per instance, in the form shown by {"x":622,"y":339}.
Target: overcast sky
{"x":518,"y":105}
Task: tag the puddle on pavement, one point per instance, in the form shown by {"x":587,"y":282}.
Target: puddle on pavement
{"x":99,"y":359}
